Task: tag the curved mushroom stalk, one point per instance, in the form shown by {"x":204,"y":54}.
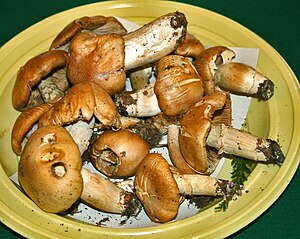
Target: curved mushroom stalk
{"x":102,"y":194}
{"x":49,"y":169}
{"x":208,"y":61}
{"x":154,"y":40}
{"x":240,"y":78}
{"x":118,"y":154}
{"x":99,"y":25}
{"x":178,"y":86}
{"x":33,"y":73}
{"x":160,"y":189}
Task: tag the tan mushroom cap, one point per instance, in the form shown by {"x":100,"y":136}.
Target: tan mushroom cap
{"x":33,"y":72}
{"x":49,"y":169}
{"x":23,"y":125}
{"x":99,"y":59}
{"x":81,"y":102}
{"x":157,"y":189}
{"x":178,"y":86}
{"x":118,"y":153}
{"x":191,"y":46}
{"x":98,"y":24}
{"x":206,"y":64}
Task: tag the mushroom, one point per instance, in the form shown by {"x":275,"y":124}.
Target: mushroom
{"x":99,"y":25}
{"x":160,"y":188}
{"x":243,"y":79}
{"x":178,"y":86}
{"x":99,"y":59}
{"x":208,"y":61}
{"x":23,"y":126}
{"x":49,"y":169}
{"x":190,"y":47}
{"x":118,"y":154}
{"x":104,"y":195}
{"x":81,"y":102}
{"x":140,"y":77}
{"x":34,"y":73}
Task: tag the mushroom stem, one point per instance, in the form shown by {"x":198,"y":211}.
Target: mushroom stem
{"x":139,"y":78}
{"x":196,"y":184}
{"x":240,"y":143}
{"x":243,"y":79}
{"x":49,"y":90}
{"x":103,"y":194}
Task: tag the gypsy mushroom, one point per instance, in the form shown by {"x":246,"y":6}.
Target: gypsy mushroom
{"x":208,"y":61}
{"x":33,"y":72}
{"x":178,"y":86}
{"x":118,"y":154}
{"x":24,"y":124}
{"x":99,"y":59}
{"x":240,"y":78}
{"x":49,"y":169}
{"x":99,"y":25}
{"x":160,"y":188}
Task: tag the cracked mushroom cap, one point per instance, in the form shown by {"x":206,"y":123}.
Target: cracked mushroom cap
{"x":24,"y":123}
{"x":207,"y":63}
{"x":99,"y":59}
{"x":81,"y":102}
{"x":98,"y":24}
{"x":33,"y":72}
{"x":178,"y":86}
{"x":118,"y":153}
{"x":157,"y":189}
{"x":49,"y":169}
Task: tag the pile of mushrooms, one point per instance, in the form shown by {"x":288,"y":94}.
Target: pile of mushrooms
{"x":75,"y":107}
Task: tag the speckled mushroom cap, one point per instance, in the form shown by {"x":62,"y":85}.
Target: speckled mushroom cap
{"x":24,"y":124}
{"x":82,"y":101}
{"x":98,"y":24}
{"x":207,"y":62}
{"x":33,"y":72}
{"x":157,"y":189}
{"x":178,"y":86}
{"x":99,"y":59}
{"x":49,"y":169}
{"x":118,"y":153}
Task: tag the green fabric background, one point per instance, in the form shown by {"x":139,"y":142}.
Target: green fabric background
{"x":275,"y":21}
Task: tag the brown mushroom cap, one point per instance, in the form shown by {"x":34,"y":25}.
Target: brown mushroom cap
{"x":23,"y":125}
{"x":82,"y":101}
{"x":33,"y":72}
{"x":98,"y":24}
{"x":157,"y":189}
{"x":206,"y":64}
{"x":190,"y":46}
{"x":99,"y":59}
{"x":178,"y":86}
{"x":118,"y":153}
{"x":49,"y":169}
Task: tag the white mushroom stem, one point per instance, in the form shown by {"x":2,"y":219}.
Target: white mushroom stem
{"x":49,"y":90}
{"x":196,"y":184}
{"x":139,"y":78}
{"x":140,"y":103}
{"x":240,"y":143}
{"x":154,"y":40}
{"x":102,"y":194}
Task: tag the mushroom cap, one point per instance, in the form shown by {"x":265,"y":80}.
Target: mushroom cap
{"x":82,"y":101}
{"x":49,"y":169}
{"x":99,"y":59}
{"x":190,"y":46}
{"x":24,"y":123}
{"x":33,"y":72}
{"x":178,"y":86}
{"x":98,"y":24}
{"x":207,"y":62}
{"x":118,"y":153}
{"x":157,"y":189}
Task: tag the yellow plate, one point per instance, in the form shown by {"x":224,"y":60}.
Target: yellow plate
{"x":277,"y":119}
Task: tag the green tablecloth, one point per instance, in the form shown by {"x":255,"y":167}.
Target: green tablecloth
{"x":275,"y":21}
